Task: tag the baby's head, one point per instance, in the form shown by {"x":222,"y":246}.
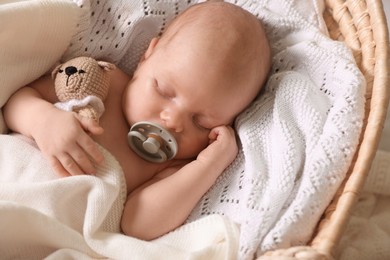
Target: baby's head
{"x":224,"y":38}
{"x":205,"y":69}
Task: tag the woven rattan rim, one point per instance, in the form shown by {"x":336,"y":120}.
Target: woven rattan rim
{"x":361,"y":24}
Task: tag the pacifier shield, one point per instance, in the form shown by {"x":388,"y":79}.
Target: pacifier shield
{"x":152,"y":142}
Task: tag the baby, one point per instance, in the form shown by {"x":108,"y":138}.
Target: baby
{"x":193,"y":81}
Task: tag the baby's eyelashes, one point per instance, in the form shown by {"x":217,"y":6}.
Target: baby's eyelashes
{"x":196,"y":122}
{"x":163,"y":90}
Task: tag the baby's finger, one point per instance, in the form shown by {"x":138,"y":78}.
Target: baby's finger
{"x":83,"y":161}
{"x":95,"y":129}
{"x":90,"y":148}
{"x":57,"y":167}
{"x":213,"y":134}
{"x":69,"y":164}
{"x":90,"y":125}
{"x":218,"y":131}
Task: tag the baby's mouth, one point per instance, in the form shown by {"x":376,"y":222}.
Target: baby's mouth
{"x":152,"y":142}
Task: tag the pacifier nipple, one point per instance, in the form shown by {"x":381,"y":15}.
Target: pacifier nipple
{"x":151,"y":145}
{"x":152,"y":142}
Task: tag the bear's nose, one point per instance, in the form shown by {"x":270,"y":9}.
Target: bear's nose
{"x":70,"y":70}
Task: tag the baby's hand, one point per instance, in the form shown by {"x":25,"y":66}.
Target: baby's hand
{"x":222,"y":148}
{"x":65,"y":141}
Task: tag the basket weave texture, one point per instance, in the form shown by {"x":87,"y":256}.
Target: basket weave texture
{"x":362,"y":25}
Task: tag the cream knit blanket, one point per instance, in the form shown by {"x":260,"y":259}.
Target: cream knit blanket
{"x":43,"y":216}
{"x":297,"y":139}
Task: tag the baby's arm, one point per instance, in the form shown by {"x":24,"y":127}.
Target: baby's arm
{"x":166,"y":201}
{"x":60,"y":135}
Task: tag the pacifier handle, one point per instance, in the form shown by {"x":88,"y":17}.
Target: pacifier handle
{"x":152,"y":142}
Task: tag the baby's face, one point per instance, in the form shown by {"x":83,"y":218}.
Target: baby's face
{"x":173,"y":88}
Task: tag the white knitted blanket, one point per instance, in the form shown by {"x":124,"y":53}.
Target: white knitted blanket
{"x":299,"y":136}
{"x":297,"y":139}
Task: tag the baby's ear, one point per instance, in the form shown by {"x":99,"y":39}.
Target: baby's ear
{"x":149,"y":50}
{"x":55,"y":70}
{"x":106,"y":65}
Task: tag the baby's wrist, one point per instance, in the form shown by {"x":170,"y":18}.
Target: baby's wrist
{"x":42,"y":119}
{"x":215,"y":164}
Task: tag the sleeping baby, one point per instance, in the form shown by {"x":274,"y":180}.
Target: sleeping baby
{"x":191,"y":83}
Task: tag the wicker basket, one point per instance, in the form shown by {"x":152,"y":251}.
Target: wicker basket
{"x":362,"y":26}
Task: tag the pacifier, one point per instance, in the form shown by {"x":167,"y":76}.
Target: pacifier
{"x":152,"y":142}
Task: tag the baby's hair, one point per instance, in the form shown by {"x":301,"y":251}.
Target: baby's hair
{"x":232,"y":23}
{"x":237,"y":34}
{"x":201,"y":14}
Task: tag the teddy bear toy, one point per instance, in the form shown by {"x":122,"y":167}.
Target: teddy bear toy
{"x":81,"y":85}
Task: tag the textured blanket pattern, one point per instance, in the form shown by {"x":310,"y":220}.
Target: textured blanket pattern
{"x":41,"y":212}
{"x":43,"y":216}
{"x":297,"y":139}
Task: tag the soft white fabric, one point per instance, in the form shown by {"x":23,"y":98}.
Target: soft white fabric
{"x":120,"y":31}
{"x":72,"y":104}
{"x":42,"y":215}
{"x":33,"y":36}
{"x":298,"y":137}
{"x":367,"y":235}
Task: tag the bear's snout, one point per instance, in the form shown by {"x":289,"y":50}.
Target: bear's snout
{"x":70,"y":70}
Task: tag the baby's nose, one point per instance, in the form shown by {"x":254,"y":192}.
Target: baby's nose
{"x":172,"y":120}
{"x":70,"y":70}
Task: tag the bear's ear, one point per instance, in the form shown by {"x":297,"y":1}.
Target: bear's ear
{"x":55,"y":71}
{"x":106,"y":65}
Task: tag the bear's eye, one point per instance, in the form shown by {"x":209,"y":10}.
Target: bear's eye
{"x":81,"y":71}
{"x":60,"y":70}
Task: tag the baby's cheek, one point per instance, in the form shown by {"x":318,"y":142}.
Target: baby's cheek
{"x":133,"y":110}
{"x":191,"y":146}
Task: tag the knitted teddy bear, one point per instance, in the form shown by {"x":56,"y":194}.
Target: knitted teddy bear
{"x":81,"y":85}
